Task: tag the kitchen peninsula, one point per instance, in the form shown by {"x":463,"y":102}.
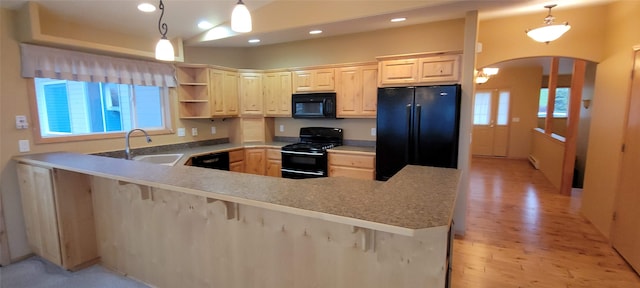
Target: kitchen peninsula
{"x":191,"y":227}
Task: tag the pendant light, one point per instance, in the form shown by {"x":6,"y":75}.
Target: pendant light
{"x":241,"y":18}
{"x":549,"y":31}
{"x":164,"y":48}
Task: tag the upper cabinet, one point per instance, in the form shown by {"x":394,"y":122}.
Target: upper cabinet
{"x":251,"y":93}
{"x":356,"y":91}
{"x":277,"y":94}
{"x":223,"y":87}
{"x":314,"y":80}
{"x":204,"y":92}
{"x":193,"y":91}
{"x":418,"y":69}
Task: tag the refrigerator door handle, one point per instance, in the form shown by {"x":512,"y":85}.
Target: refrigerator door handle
{"x":410,"y":134}
{"x":416,"y":136}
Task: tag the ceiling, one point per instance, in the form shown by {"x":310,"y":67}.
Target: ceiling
{"x":279,"y":21}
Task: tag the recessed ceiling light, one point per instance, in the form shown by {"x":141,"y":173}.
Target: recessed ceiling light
{"x":399,"y":19}
{"x":146,"y":7}
{"x":313,"y":32}
{"x":204,"y":25}
{"x":254,"y":40}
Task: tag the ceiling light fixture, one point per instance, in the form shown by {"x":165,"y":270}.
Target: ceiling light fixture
{"x":485,"y":74}
{"x":549,"y":31}
{"x":314,"y":32}
{"x":241,"y":18}
{"x":254,"y":40}
{"x":146,"y":7}
{"x":399,"y":19}
{"x":164,"y":48}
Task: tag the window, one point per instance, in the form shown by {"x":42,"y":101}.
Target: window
{"x":491,"y":107}
{"x":482,"y":108}
{"x":72,"y":108}
{"x":561,"y":105}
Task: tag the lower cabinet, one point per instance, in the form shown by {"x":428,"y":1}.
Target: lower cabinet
{"x":254,"y":161}
{"x":58,"y":212}
{"x":274,"y":163}
{"x":352,"y":165}
{"x":236,"y":160}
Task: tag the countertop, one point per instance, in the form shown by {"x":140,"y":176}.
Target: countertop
{"x":415,"y":198}
{"x":203,"y":150}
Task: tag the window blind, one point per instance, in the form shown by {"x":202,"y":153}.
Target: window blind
{"x":54,"y":63}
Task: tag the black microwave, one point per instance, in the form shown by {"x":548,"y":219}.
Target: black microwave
{"x":313,"y":105}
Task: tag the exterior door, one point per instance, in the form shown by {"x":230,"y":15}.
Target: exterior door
{"x":491,"y":123}
{"x":625,"y":234}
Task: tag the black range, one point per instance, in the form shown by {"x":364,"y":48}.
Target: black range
{"x":308,"y":158}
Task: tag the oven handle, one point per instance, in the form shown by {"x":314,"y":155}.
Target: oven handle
{"x":302,"y":153}
{"x":302,"y":172}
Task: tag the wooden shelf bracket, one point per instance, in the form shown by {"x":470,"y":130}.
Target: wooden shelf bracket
{"x":368,"y":238}
{"x":231,"y":208}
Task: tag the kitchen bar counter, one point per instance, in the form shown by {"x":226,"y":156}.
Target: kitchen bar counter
{"x":416,"y":198}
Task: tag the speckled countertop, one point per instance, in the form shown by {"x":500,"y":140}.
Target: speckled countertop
{"x":415,"y":198}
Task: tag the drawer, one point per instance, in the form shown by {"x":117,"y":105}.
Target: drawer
{"x":357,"y":173}
{"x":360,"y":161}
{"x":236,"y":155}
{"x":274,"y":154}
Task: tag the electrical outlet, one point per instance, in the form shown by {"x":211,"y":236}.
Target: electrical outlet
{"x":23,"y":146}
{"x":181,"y":132}
{"x":213,"y":129}
{"x":194,"y":131}
{"x":373,"y":131}
{"x":281,"y":128}
{"x":21,"y":122}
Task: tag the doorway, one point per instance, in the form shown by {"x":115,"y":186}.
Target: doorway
{"x":491,"y":123}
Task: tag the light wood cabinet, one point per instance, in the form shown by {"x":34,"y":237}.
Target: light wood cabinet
{"x":223,"y":88}
{"x":402,"y":71}
{"x":277,"y":94}
{"x":251,"y":93}
{"x":418,"y":69}
{"x":58,"y":212}
{"x":236,"y":160}
{"x":444,"y":68}
{"x":193,"y":92}
{"x":314,"y":80}
{"x":274,"y":162}
{"x":357,"y":91}
{"x":352,"y":165}
{"x":254,"y":161}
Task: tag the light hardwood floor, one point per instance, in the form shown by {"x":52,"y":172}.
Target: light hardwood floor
{"x":522,"y":233}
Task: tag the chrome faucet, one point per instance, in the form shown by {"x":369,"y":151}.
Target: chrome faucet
{"x":127,"y":149}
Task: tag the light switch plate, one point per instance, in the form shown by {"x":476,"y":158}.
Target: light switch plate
{"x":373,"y":131}
{"x":213,"y":129}
{"x":281,"y":128}
{"x":515,"y":119}
{"x":23,"y":146}
{"x":194,"y":131}
{"x":181,"y":132}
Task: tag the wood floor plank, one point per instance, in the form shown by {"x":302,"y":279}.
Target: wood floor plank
{"x":522,"y":233}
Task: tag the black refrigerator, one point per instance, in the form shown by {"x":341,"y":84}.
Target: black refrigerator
{"x":417,"y":126}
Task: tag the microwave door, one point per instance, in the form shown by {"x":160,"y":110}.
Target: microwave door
{"x":309,"y":109}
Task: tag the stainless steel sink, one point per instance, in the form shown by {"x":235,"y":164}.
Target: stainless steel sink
{"x":162,"y":159}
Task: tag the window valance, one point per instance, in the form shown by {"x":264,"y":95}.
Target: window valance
{"x":47,"y":62}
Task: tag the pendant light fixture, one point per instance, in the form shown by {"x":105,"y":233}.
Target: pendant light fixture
{"x":164,"y":48}
{"x":549,"y":31}
{"x":241,"y":18}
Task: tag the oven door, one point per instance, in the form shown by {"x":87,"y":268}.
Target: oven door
{"x":297,"y":165}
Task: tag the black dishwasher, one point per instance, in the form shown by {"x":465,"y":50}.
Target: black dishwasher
{"x":218,"y":161}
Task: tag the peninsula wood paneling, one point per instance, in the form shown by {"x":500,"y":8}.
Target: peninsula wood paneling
{"x":172,"y":239}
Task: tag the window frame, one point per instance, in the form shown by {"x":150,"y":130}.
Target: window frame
{"x":168,"y":116}
{"x":566,"y":115}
